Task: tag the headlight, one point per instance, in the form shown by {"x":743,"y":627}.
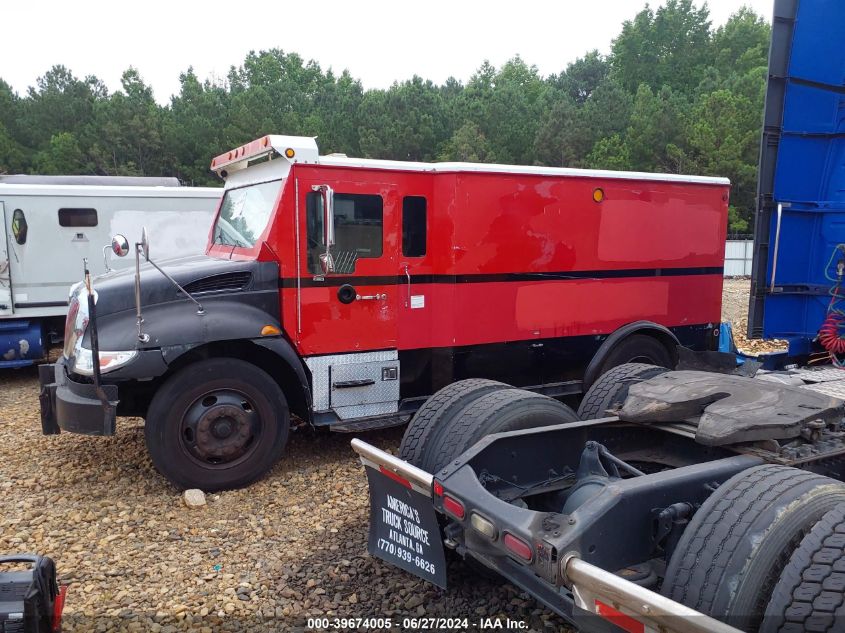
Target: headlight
{"x":83,"y":361}
{"x":75,"y":326}
{"x":77,"y":318}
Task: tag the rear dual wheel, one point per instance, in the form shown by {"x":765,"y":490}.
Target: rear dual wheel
{"x":637,"y":348}
{"x":810,"y":593}
{"x":217,"y":424}
{"x":459,"y":415}
{"x":433,"y":416}
{"x":462,"y":413}
{"x":610,"y":390}
{"x":745,"y":558}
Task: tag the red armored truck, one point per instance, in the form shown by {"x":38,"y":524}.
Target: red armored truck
{"x":344,"y":291}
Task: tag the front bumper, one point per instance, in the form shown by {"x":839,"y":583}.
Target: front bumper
{"x":75,"y":407}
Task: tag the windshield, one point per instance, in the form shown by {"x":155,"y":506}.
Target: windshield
{"x":244,"y":213}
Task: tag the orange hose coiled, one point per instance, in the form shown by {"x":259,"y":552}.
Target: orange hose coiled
{"x":829,"y":335}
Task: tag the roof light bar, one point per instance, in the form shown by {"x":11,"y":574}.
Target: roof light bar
{"x":298,"y":148}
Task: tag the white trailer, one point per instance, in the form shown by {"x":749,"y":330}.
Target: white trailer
{"x":50,"y":223}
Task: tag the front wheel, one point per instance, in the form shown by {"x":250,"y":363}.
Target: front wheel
{"x":217,"y":424}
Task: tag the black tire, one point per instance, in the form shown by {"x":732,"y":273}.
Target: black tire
{"x":217,"y":424}
{"x":810,"y":595}
{"x":611,"y":389}
{"x":730,"y":556}
{"x":436,"y":411}
{"x":638,"y":348}
{"x":495,"y":412}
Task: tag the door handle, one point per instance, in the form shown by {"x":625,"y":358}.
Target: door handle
{"x":408,"y":277}
{"x":350,"y":384}
{"x":379,"y":297}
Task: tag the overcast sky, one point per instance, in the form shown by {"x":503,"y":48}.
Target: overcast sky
{"x":379,"y":41}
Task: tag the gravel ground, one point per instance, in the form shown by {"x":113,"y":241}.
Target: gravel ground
{"x":265,"y":558}
{"x":735,"y":295}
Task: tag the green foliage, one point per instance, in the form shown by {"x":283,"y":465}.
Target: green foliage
{"x":468,"y":144}
{"x":11,"y":154}
{"x":674,"y":95}
{"x":63,"y":155}
{"x":670,"y":46}
{"x":610,"y":153}
{"x":737,"y":223}
{"x":724,"y":141}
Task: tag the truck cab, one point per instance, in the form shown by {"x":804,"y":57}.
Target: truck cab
{"x":342,"y":292}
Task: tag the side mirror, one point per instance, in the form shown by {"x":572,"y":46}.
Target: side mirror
{"x":145,"y":243}
{"x":120,"y":245}
{"x":326,"y":259}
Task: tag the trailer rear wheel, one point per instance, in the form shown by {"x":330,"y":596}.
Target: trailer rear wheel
{"x":494,"y":412}
{"x":810,"y":594}
{"x":638,"y":348}
{"x":217,"y":424}
{"x":434,"y":415}
{"x":611,"y":389}
{"x":732,"y":553}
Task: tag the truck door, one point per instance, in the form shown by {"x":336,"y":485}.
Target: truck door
{"x":6,"y":303}
{"x":347,"y":310}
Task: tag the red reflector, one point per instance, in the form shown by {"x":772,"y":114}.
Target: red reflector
{"x":624,"y":622}
{"x":58,"y":607}
{"x":438,"y":489}
{"x":389,"y":473}
{"x":518,"y":547}
{"x":453,"y":507}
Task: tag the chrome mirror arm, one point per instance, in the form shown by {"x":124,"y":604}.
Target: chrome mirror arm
{"x":200,"y":309}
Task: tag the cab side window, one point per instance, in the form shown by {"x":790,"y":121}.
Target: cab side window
{"x":358,"y":229}
{"x":413,"y":226}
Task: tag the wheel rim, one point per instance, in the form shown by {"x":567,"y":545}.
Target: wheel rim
{"x":220,"y":428}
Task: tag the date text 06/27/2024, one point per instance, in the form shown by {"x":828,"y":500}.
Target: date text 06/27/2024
{"x":416,"y":624}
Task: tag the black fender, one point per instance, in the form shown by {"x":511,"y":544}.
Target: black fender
{"x":273,"y":354}
{"x":666,"y":336}
{"x":282,"y":348}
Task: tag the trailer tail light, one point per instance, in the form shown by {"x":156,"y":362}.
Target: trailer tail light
{"x":480,"y":524}
{"x":395,"y":477}
{"x":437,"y":489}
{"x":454,"y":507}
{"x":518,"y":547}
{"x":624,"y":622}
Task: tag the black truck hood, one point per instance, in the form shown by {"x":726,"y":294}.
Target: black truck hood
{"x":238,"y":299}
{"x":198,"y":274}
